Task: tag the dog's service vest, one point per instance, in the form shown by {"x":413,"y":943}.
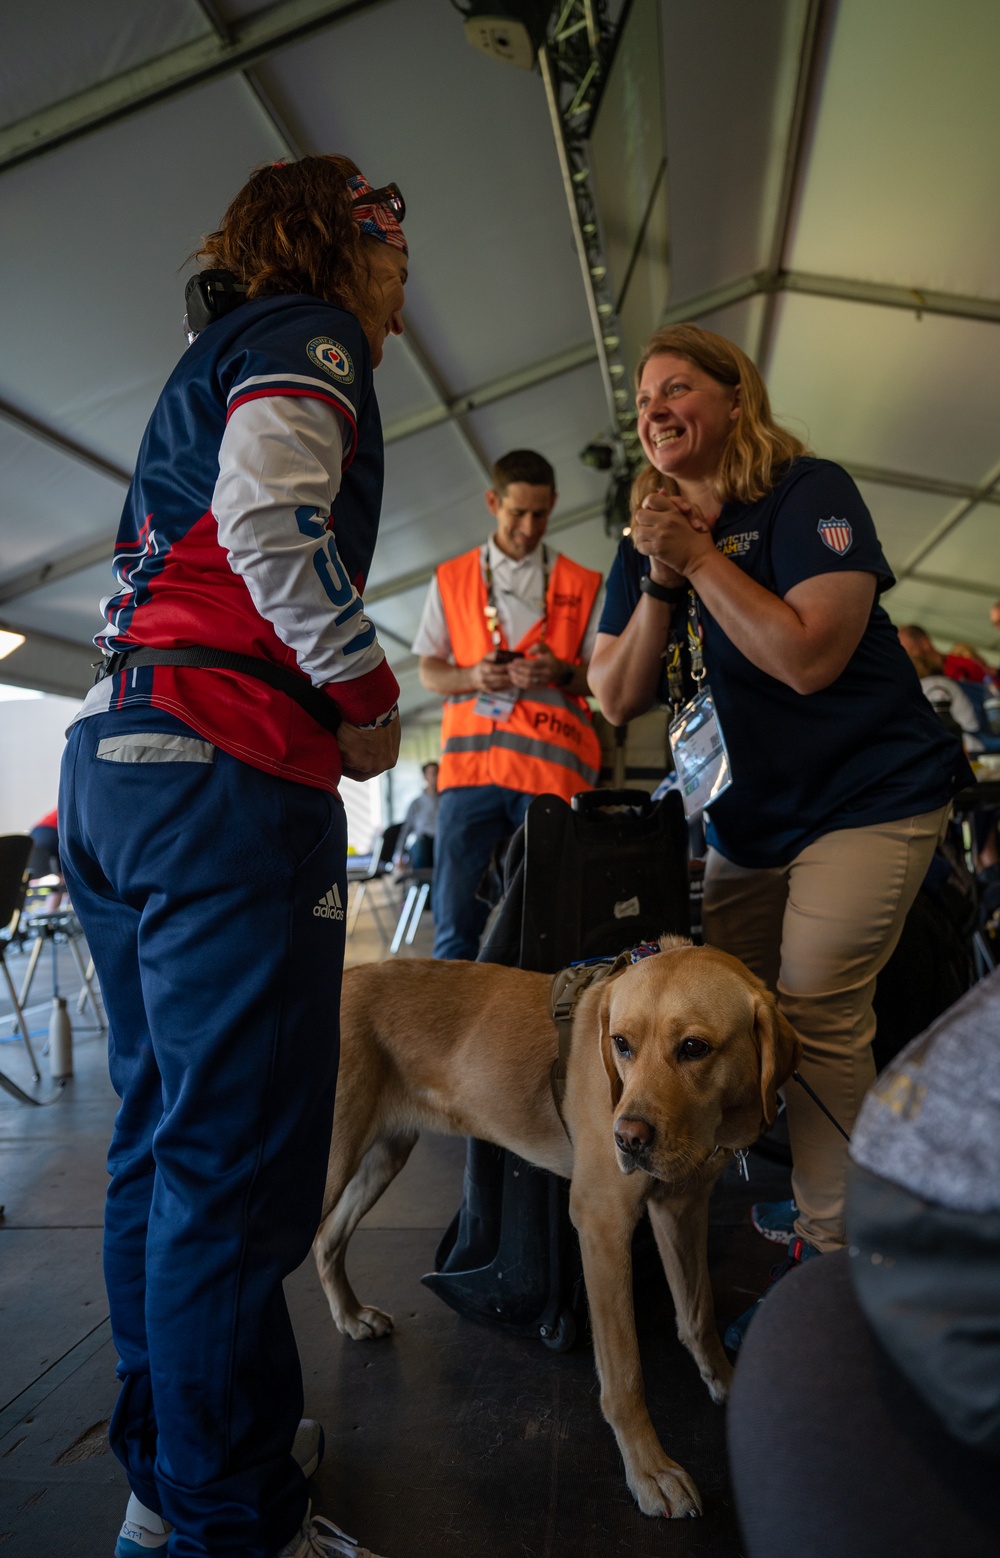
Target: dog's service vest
{"x":548,"y":745}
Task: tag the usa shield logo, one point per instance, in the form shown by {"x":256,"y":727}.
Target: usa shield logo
{"x":836,"y":534}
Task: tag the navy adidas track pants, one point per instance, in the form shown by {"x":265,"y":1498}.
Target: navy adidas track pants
{"x":208,"y":893}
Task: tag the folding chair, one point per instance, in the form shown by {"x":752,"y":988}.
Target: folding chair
{"x":14,"y":851}
{"x":981,"y":797}
{"x":379,"y":867}
{"x":418,"y":882}
{"x":60,"y":925}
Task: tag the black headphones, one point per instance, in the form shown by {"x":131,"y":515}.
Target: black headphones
{"x":209,"y":295}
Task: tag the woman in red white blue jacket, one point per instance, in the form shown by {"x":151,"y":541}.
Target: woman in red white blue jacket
{"x":205,"y":845}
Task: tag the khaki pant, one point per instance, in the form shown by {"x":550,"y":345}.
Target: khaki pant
{"x":818,"y":931}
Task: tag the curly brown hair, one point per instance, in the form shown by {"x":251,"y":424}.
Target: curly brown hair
{"x":290,"y":229}
{"x":758,"y":451}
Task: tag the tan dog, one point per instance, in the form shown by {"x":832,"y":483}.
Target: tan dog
{"x":676,"y":1060}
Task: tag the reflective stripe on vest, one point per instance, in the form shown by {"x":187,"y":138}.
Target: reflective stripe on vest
{"x":543,"y":750}
{"x":548,"y":745}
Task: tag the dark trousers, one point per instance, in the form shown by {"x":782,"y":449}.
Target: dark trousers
{"x":832,"y":1452}
{"x":421,"y":852}
{"x":197,"y":880}
{"x":471,"y":820}
{"x":44,"y":857}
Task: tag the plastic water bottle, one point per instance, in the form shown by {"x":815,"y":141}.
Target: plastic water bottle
{"x":60,"y":1041}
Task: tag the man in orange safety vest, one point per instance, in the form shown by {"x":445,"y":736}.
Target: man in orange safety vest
{"x":505,"y":637}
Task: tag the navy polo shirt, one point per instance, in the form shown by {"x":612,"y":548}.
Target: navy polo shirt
{"x":867,"y":749}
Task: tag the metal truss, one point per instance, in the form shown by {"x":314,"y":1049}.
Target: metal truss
{"x":843,"y":289}
{"x":574,"y":62}
{"x":439,"y":412}
{"x":948,"y":524}
{"x":817,"y":28}
{"x":218,"y":52}
{"x":50,"y":665}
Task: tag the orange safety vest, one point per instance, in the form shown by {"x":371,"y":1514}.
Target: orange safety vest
{"x":548,"y":746}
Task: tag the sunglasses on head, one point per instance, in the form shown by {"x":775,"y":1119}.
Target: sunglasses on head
{"x":389,"y":196}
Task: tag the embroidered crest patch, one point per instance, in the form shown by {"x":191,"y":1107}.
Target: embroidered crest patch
{"x":333,"y":358}
{"x":836,"y":534}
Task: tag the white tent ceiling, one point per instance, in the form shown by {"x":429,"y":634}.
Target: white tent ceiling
{"x":832,"y":172}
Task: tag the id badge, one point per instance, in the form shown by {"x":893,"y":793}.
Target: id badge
{"x":700,"y":756}
{"x":497,"y":706}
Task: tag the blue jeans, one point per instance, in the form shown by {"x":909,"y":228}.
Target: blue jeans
{"x":471,"y":819}
{"x":197,"y":880}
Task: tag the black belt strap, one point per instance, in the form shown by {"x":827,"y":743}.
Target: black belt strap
{"x":304,"y":694}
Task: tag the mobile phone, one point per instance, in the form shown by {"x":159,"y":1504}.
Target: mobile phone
{"x":505,"y":656}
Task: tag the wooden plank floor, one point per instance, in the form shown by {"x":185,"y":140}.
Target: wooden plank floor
{"x":446,"y":1440}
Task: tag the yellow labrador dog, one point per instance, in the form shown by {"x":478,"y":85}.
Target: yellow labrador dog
{"x":675,"y":1062}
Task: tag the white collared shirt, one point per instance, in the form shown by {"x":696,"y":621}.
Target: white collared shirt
{"x":519,"y":589}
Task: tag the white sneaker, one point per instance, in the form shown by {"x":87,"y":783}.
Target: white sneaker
{"x":310,"y":1443}
{"x":144,"y":1532}
{"x":319,"y":1538}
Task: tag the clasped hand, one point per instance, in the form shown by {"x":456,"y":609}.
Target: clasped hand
{"x":673,"y":533}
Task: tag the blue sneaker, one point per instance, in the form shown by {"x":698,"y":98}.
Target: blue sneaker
{"x":146,"y":1532}
{"x":798,"y":1253}
{"x":775,"y":1220}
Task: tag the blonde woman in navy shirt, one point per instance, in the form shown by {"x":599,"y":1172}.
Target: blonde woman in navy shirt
{"x":842,"y":776}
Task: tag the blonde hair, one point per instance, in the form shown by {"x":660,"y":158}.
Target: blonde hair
{"x":758,"y":451}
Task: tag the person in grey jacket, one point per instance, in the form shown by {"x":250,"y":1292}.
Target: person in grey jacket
{"x":865,"y":1416}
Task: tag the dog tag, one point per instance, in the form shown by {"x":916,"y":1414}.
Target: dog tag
{"x":700,"y":755}
{"x":497,"y":706}
{"x":741,"y":1154}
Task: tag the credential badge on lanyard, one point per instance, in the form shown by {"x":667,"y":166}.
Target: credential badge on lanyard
{"x":696,"y":739}
{"x":499,"y":706}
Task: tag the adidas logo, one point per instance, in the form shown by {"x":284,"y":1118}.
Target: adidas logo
{"x":330,"y":906}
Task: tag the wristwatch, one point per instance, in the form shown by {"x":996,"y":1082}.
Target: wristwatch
{"x":672,"y":596}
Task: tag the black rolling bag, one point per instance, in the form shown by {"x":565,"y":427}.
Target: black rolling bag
{"x":580,"y":882}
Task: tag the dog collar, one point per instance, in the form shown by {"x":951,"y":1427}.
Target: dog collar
{"x":567,"y":987}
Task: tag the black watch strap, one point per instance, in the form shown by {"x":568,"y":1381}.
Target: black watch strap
{"x":672,"y":596}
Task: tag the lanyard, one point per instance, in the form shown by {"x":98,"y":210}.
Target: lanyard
{"x":696,"y":651}
{"x":490,"y":609}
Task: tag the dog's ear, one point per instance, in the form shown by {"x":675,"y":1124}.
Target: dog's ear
{"x":780,"y":1049}
{"x":607,"y":1051}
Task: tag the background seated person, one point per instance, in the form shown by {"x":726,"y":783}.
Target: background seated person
{"x":905,"y":1323}
{"x":961,"y":704}
{"x":842,"y":777}
{"x":963,"y":664}
{"x":44,"y":861}
{"x":416,"y":837}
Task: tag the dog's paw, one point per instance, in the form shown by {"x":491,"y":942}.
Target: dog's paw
{"x":665,"y":1490}
{"x":719,"y":1380}
{"x":366,"y":1325}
